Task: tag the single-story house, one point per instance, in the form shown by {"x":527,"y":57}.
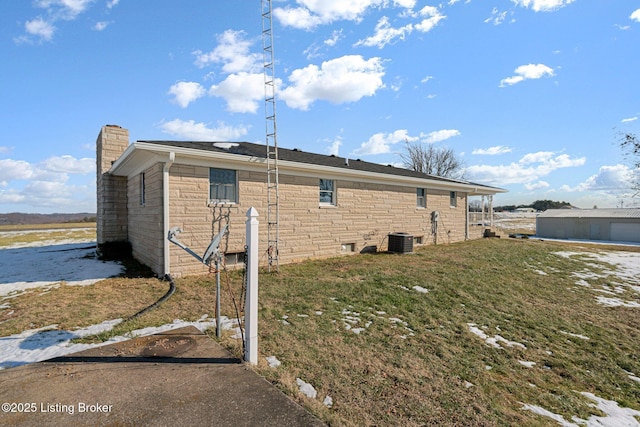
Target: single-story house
{"x":616,"y":225}
{"x":328,"y":205}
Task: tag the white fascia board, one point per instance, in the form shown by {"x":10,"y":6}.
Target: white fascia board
{"x":140,"y":155}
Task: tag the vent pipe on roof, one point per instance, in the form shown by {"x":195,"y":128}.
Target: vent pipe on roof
{"x":346,"y":161}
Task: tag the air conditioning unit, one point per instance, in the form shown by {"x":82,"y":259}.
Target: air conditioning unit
{"x":400,"y":242}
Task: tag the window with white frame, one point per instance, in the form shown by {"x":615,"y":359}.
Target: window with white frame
{"x":223,"y":186}
{"x":421,"y":198}
{"x":453,"y":199}
{"x":143,"y":189}
{"x":327,"y":192}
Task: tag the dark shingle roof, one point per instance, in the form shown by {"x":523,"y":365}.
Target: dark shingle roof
{"x":295,"y":155}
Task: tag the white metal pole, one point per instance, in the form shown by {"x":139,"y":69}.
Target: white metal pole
{"x":251,"y":303}
{"x":218,"y":326}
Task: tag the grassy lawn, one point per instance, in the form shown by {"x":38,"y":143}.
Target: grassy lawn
{"x":460,"y":334}
{"x":25,"y":234}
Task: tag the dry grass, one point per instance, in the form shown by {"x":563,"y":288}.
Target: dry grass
{"x":11,"y":235}
{"x":416,"y":362}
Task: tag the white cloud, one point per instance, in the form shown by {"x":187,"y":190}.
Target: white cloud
{"x":635,"y":16}
{"x":64,"y":9}
{"x":543,"y":5}
{"x":432,"y":17}
{"x":112,"y":3}
{"x":101,"y":26}
{"x":381,"y":143}
{"x":51,"y":196}
{"x":191,"y":130}
{"x":14,"y":170}
{"x":345,"y":79}
{"x":540,"y":185}
{"x":40,"y":28}
{"x":407,"y":4}
{"x":492,"y":151}
{"x":69,"y":164}
{"x":335,"y":145}
{"x":439,"y":135}
{"x":527,"y":72}
{"x":242,"y":92}
{"x":56,"y":10}
{"x":297,"y":17}
{"x":46,"y":180}
{"x":496,"y":17}
{"x":312,"y":13}
{"x":385,"y":34}
{"x":629,"y":119}
{"x":233,"y":52}
{"x":336,"y":36}
{"x":186,"y":92}
{"x":609,"y":179}
{"x":528,"y":169}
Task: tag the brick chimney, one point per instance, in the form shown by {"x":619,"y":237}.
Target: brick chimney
{"x":111,"y":212}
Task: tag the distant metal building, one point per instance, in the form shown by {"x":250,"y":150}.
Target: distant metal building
{"x":617,"y":225}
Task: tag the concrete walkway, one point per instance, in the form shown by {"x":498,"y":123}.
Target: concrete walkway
{"x":177,"y":378}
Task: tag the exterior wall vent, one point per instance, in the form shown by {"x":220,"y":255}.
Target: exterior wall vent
{"x":400,"y":243}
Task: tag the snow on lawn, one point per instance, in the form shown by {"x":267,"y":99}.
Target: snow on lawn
{"x":615,"y":415}
{"x":620,"y":269}
{"x":45,"y":267}
{"x":36,"y":345}
{"x":36,"y":267}
{"x":64,"y":236}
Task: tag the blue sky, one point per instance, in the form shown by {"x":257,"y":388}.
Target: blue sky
{"x":529,"y":93}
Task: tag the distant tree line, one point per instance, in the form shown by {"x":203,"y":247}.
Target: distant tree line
{"x":539,"y":205}
{"x":18,"y":218}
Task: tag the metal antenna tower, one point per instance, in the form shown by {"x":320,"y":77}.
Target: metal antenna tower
{"x":273,"y":196}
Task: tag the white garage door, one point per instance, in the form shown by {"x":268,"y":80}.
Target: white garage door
{"x":625,"y":232}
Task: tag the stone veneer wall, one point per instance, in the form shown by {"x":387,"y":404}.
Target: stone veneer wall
{"x":111,"y":210}
{"x":362,"y":219}
{"x":145,"y":224}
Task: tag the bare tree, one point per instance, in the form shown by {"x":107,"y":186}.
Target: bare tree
{"x":630,"y":144}
{"x":426,"y":158}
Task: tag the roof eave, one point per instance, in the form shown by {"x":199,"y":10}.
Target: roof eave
{"x":136,"y":157}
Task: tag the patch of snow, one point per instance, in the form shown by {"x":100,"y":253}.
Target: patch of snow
{"x":318,"y":313}
{"x":495,"y":340}
{"x":44,"y":343}
{"x":582,"y":337}
{"x":467,"y":384}
{"x":421,"y":289}
{"x":40,"y":344}
{"x":303,"y":315}
{"x":632,"y":376}
{"x":396,"y":320}
{"x":616,"y":302}
{"x":328,"y":402}
{"x":615,"y":415}
{"x":36,"y":267}
{"x":527,"y":363}
{"x":357,"y":330}
{"x":273,"y":361}
{"x":306,"y":389}
{"x":545,"y":413}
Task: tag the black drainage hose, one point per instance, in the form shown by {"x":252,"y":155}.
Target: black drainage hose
{"x":172,"y":289}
